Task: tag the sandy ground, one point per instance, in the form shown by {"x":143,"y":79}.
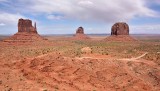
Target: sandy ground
{"x":59,"y":65}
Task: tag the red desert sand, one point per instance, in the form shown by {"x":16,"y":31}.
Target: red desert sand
{"x":77,"y":65}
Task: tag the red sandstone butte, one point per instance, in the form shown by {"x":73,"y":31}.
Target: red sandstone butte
{"x":80,"y":30}
{"x":120,"y":28}
{"x":120,"y":32}
{"x":26,"y":32}
{"x":80,"y":34}
{"x":26,"y":26}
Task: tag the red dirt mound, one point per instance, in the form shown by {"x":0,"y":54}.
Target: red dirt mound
{"x":120,"y":38}
{"x":71,"y":74}
{"x":24,"y":37}
{"x":80,"y":37}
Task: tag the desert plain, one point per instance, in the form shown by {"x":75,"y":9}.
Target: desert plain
{"x":96,"y":64}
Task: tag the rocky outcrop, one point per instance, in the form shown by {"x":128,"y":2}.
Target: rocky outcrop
{"x":80,"y":30}
{"x":26,"y":26}
{"x":80,"y":34}
{"x":120,"y":32}
{"x":86,"y":50}
{"x":120,"y":28}
{"x":26,"y":33}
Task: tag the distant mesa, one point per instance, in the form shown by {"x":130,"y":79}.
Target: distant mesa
{"x":26,"y":26}
{"x":26,"y":32}
{"x":120,"y":32}
{"x":80,"y":30}
{"x":80,"y":34}
{"x":120,"y":28}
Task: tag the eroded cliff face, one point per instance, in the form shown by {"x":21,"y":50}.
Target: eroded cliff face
{"x":25,"y":25}
{"x":80,"y":30}
{"x":120,"y":28}
{"x":26,"y":33}
{"x":120,"y":32}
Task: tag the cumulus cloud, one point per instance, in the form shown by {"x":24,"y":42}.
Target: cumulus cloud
{"x":99,"y":10}
{"x":108,"y":11}
{"x":91,"y":10}
{"x":10,"y":19}
{"x":55,"y":17}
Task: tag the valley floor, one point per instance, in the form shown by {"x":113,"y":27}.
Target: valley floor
{"x":60,"y":65}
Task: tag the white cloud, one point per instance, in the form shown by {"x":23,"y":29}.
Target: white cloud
{"x":9,"y":22}
{"x":88,"y":10}
{"x":99,"y":10}
{"x":10,"y":19}
{"x":84,"y":2}
{"x":108,"y":11}
{"x":2,"y":24}
{"x":54,"y":17}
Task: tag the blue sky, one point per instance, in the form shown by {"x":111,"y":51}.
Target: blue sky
{"x":96,"y":16}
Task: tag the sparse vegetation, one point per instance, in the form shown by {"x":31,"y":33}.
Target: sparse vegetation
{"x":62,"y":65}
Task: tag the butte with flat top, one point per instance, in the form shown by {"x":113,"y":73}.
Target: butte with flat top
{"x":80,"y":34}
{"x":26,"y":32}
{"x":120,"y":32}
